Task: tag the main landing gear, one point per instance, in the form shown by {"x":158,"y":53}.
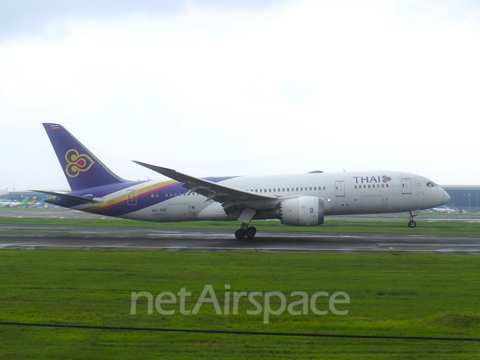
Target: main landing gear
{"x":412,"y":223}
{"x":247,"y":231}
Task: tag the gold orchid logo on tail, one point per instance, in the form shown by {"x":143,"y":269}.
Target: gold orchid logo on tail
{"x":77,"y":163}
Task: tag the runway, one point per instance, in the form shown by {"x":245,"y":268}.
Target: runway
{"x":94,"y":238}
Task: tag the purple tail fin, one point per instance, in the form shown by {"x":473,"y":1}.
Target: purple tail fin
{"x":82,"y":168}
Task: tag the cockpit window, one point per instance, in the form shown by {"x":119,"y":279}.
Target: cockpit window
{"x":431,"y":184}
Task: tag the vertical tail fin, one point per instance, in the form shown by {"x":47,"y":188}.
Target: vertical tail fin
{"x":82,"y":169}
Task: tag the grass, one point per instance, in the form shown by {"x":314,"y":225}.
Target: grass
{"x":415,"y":295}
{"x":335,"y":226}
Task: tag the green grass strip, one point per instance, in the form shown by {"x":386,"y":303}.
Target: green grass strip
{"x":391,"y":295}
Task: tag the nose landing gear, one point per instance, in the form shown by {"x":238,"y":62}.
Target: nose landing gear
{"x":412,"y":223}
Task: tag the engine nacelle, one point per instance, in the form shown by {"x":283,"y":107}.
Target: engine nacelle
{"x":302,"y":211}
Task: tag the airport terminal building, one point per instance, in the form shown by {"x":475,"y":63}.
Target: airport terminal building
{"x":464,"y":198}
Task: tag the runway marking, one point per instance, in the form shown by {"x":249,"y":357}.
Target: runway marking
{"x":265,"y":250}
{"x":6,"y":246}
{"x":441,"y":245}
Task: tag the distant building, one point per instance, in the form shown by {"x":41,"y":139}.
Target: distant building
{"x":19,"y":195}
{"x":464,"y":197}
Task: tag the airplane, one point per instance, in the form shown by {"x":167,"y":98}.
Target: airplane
{"x":40,"y":204}
{"x":5,"y":203}
{"x":443,"y":210}
{"x":32,"y":202}
{"x":21,"y":204}
{"x":299,"y":200}
{"x":27,"y":203}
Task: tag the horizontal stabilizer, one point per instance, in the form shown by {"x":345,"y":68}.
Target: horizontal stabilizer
{"x":70,"y":197}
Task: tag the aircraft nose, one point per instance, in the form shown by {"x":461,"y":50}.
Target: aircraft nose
{"x":446,"y":197}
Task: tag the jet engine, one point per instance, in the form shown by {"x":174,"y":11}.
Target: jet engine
{"x":302,"y":211}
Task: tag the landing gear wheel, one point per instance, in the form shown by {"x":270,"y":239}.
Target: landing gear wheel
{"x":412,"y":222}
{"x":240,"y":234}
{"x":251,"y":231}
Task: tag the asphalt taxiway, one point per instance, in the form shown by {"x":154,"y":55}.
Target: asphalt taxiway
{"x":95,"y":238}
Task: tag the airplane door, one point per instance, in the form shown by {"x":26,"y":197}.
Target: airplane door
{"x":131,"y":197}
{"x":406,"y":186}
{"x":339,"y":188}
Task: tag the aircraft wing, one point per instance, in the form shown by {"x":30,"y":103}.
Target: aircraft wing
{"x":225,"y":195}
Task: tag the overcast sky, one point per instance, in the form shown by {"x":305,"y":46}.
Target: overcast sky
{"x":214,"y":88}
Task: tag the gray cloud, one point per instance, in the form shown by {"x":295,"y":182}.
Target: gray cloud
{"x":29,"y":17}
{"x":251,"y":5}
{"x":296,"y":92}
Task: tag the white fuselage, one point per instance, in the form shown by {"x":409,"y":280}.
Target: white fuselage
{"x":342,"y":193}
